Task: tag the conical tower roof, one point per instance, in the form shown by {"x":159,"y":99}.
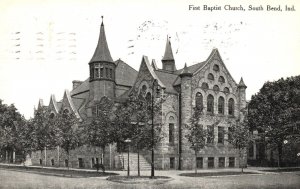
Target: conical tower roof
{"x":102,"y":52}
{"x":241,"y":83}
{"x":186,"y":72}
{"x":168,"y":51}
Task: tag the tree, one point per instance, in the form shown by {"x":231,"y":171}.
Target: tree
{"x":10,"y":122}
{"x":196,"y":134}
{"x":239,"y":137}
{"x":99,"y":132}
{"x":68,"y":132}
{"x":274,"y":111}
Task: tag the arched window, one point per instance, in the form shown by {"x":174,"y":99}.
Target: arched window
{"x":148,"y":97}
{"x":216,"y":88}
{"x":221,"y":79}
{"x":216,"y":67}
{"x":143,"y":90}
{"x":171,"y":130}
{"x":210,"y":104}
{"x":231,"y":106}
{"x":199,"y":101}
{"x":221,"y":102}
{"x":226,"y":90}
{"x":204,"y":86}
{"x":51,"y":116}
{"x":211,"y":77}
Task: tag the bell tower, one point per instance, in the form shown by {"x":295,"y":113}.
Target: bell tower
{"x":102,"y":71}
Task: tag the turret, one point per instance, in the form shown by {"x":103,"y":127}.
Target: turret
{"x":168,"y":61}
{"x":242,"y":95}
{"x":102,"y":70}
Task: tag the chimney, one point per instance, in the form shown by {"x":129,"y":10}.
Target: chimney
{"x":76,"y":83}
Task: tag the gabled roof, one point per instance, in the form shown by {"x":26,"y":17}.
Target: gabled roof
{"x":70,"y":103}
{"x":145,"y":61}
{"x":167,"y":79}
{"x":53,"y":103}
{"x":168,"y":51}
{"x":102,"y":52}
{"x":125,"y":75}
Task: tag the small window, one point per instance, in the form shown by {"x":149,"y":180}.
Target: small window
{"x":220,"y":135}
{"x":216,"y":68}
{"x":171,"y":133}
{"x":143,"y":89}
{"x":106,"y":72}
{"x":216,"y":88}
{"x":231,"y":161}
{"x":172,"y":162}
{"x":210,"y":162}
{"x":221,"y":102}
{"x":210,"y":104}
{"x":80,"y":162}
{"x":51,"y":115}
{"x":221,"y":79}
{"x":204,"y":86}
{"x":110,"y":73}
{"x":199,"y":162}
{"x":210,"y":77}
{"x":199,"y":101}
{"x":96,"y":72}
{"x":226,"y":90}
{"x":66,"y":163}
{"x":101,"y":72}
{"x":231,"y":107}
{"x":221,"y":162}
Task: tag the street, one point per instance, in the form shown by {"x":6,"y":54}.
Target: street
{"x":11,"y":179}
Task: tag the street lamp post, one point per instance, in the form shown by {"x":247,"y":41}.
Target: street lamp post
{"x":128,"y":141}
{"x":154,"y":84}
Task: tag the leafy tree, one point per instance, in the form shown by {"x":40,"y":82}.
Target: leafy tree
{"x":196,"y":134}
{"x":239,"y":137}
{"x":68,"y":132}
{"x":274,"y":111}
{"x":99,"y":132}
{"x":10,"y":122}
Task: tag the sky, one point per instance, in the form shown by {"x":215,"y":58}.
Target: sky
{"x":45,"y":45}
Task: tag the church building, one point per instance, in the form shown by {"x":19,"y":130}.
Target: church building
{"x":207,"y":84}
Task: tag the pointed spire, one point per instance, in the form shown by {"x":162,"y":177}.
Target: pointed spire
{"x":241,"y":83}
{"x":102,"y":51}
{"x":186,"y":72}
{"x":168,"y":51}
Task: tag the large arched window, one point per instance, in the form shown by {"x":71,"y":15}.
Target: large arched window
{"x":210,"y":103}
{"x":199,"y":101}
{"x":143,"y":90}
{"x":231,"y":106}
{"x":221,"y":105}
{"x":51,"y":116}
{"x":148,"y":97}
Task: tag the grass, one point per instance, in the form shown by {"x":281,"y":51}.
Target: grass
{"x":208,"y":174}
{"x":139,"y":179}
{"x":283,"y":170}
{"x":57,"y":172}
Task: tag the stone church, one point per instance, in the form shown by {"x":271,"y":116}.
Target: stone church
{"x":207,"y":84}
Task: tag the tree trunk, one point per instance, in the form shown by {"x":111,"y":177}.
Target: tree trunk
{"x":45,"y":156}
{"x":68,"y":156}
{"x":195,"y":161}
{"x":138,"y":152}
{"x":103,"y":152}
{"x":41,"y":156}
{"x":279,"y":148}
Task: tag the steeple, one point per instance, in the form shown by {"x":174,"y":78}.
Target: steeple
{"x":168,"y":51}
{"x":185,"y":72}
{"x":168,"y":61}
{"x":242,"y":84}
{"x":102,"y":52}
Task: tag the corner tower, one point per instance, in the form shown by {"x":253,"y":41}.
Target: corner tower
{"x":102,"y":71}
{"x":168,"y":61}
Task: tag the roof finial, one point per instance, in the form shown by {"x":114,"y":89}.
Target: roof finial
{"x":102,"y":20}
